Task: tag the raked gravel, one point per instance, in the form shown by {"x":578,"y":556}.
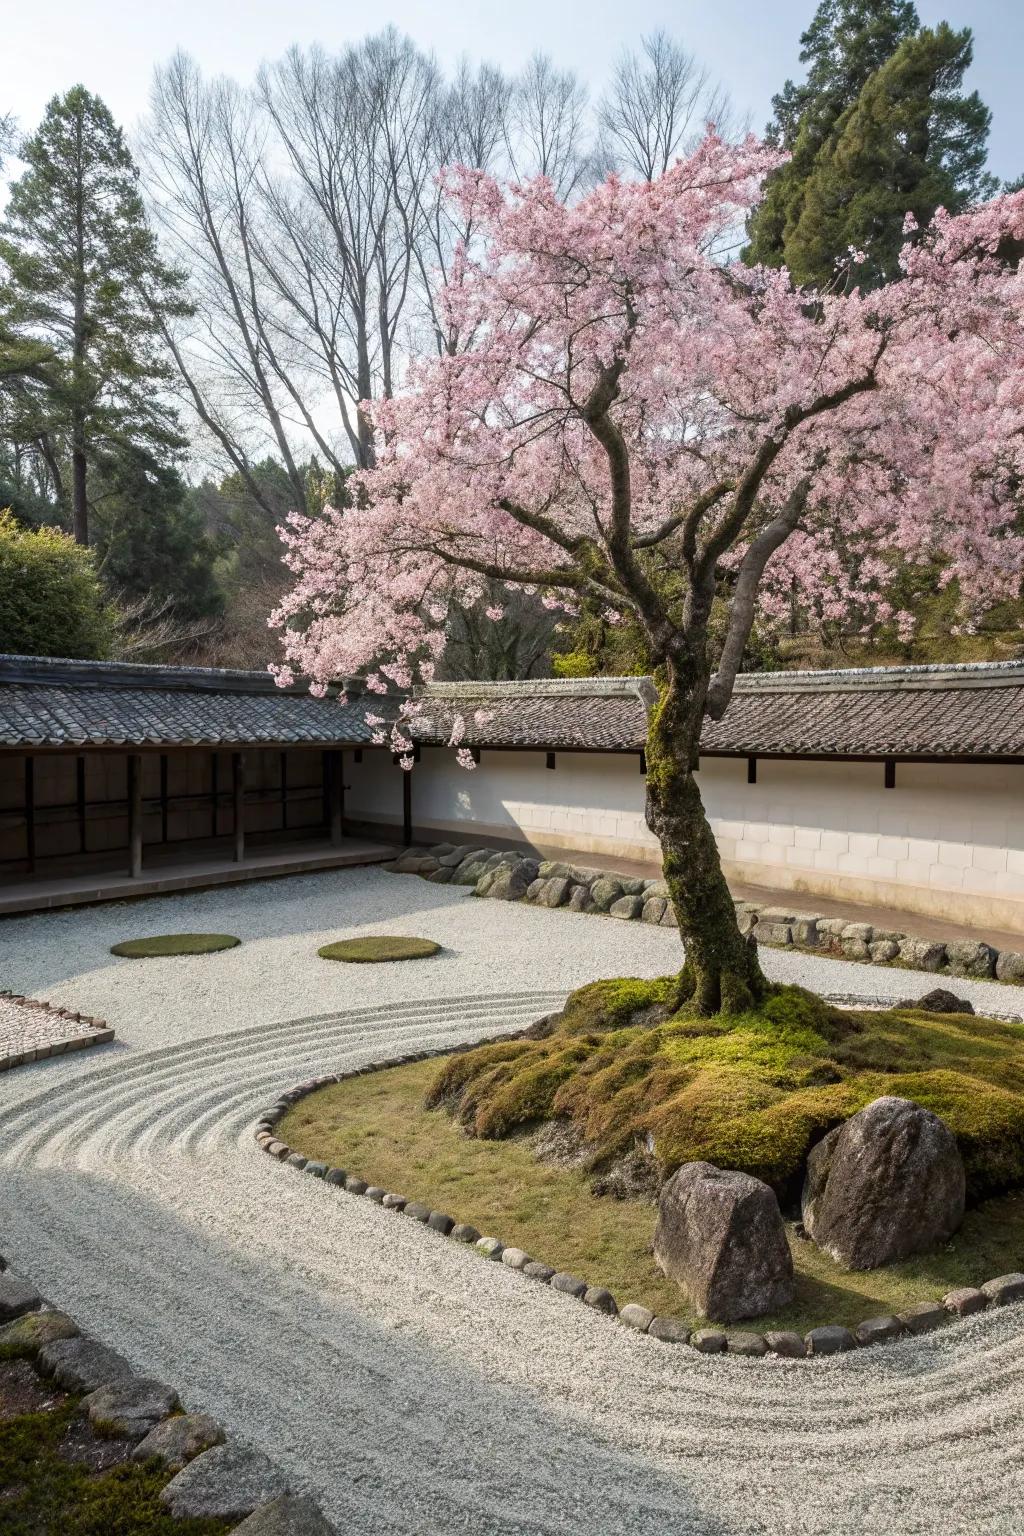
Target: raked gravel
{"x":407,"y":1383}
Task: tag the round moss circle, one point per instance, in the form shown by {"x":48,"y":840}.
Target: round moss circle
{"x":175,"y":944}
{"x":378,"y":947}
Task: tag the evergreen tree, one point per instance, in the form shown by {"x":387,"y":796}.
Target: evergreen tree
{"x":51,"y":600}
{"x":150,"y":540}
{"x":879,"y":128}
{"x":83,"y":283}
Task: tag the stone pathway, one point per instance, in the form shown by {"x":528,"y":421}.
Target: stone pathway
{"x":30,"y":1031}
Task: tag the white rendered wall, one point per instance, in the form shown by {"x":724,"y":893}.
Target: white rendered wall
{"x":947,"y":841}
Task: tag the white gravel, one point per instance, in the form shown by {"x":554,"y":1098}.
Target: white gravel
{"x":410,"y":1385}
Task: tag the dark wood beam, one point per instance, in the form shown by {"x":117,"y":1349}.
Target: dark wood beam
{"x":134,"y":815}
{"x":238,"y":798}
{"x":30,"y":813}
{"x":890,"y":773}
{"x":751,"y":770}
{"x":80,"y":804}
{"x":334,"y":764}
{"x":407,"y":807}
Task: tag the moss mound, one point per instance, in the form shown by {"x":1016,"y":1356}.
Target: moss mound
{"x":753,"y":1091}
{"x":379,"y":947}
{"x":175,"y":944}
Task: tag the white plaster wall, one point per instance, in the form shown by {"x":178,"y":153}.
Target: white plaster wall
{"x":947,"y":841}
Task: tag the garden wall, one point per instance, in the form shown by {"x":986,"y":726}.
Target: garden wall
{"x":947,"y":840}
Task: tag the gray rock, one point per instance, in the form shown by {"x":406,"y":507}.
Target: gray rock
{"x":627,"y":907}
{"x":829,"y":1340}
{"x":490,"y":1247}
{"x":515,"y":1258}
{"x":668,"y":918}
{"x":27,"y":1334}
{"x":226,"y":1482}
{"x":439,"y":850}
{"x":554,"y":892}
{"x":832,"y":927}
{"x":790,"y":1345}
{"x":853,"y":949}
{"x":774,"y":933}
{"x":1004,"y":1289}
{"x":441,"y":876}
{"x":922,"y":954}
{"x":535,"y":1270}
{"x":130,"y":1407}
{"x":636,"y":1316}
{"x":534,"y":889}
{"x":886,"y":1184}
{"x":580,"y":899}
{"x":742,"y":1343}
{"x":709,"y":1341}
{"x":568,"y":1284}
{"x":632,"y":886}
{"x":356,"y":1185}
{"x":469,"y":872}
{"x":654,"y":909}
{"x":296,"y":1160}
{"x":862,"y":931}
{"x":656,"y":888}
{"x":965,"y":1301}
{"x":877,"y":1330}
{"x":1010,"y":966}
{"x":883,"y":950}
{"x":669,"y":1330}
{"x":393,"y":1202}
{"x":439,"y":1222}
{"x":487,"y":879}
{"x":939,"y":1000}
{"x":603,"y":892}
{"x":286,"y":1516}
{"x":550,"y":869}
{"x":805,"y":933}
{"x":512,"y":881}
{"x":417,"y":1210}
{"x":318,"y":1170}
{"x":82,"y":1364}
{"x":721,"y":1237}
{"x":17,"y":1295}
{"x":376,"y":1193}
{"x":600,"y":1299}
{"x":581,"y":875}
{"x":966,"y":957}
{"x":462,"y":1232}
{"x":923,"y":1316}
{"x":180,"y":1440}
{"x":452,"y":860}
{"x":746,"y":922}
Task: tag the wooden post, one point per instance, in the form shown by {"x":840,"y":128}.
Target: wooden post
{"x":134,"y":815}
{"x":80,"y":799}
{"x":163,"y":797}
{"x":334,"y":763}
{"x":238,"y":789}
{"x":406,"y":807}
{"x":30,"y":813}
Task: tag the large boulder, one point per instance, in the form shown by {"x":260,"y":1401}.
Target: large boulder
{"x":886,"y":1184}
{"x":720,"y":1236}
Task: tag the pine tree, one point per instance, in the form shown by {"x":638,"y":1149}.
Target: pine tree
{"x":848,"y":45}
{"x":83,"y":282}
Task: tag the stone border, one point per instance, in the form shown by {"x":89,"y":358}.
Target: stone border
{"x":507,"y":875}
{"x":97,"y":1032}
{"x":827,"y":1339}
{"x":215,"y":1476}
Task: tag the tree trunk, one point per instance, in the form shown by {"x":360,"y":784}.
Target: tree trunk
{"x":721,"y":973}
{"x":79,"y":499}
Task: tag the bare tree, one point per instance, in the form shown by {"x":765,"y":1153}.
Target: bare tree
{"x":656,"y":107}
{"x":547,"y":129}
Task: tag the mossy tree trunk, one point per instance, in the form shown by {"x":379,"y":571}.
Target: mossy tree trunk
{"x":721,"y":973}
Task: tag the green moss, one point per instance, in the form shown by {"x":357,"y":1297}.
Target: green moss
{"x":753,"y":1091}
{"x":377,"y":1126}
{"x":379,"y":947}
{"x":175,"y":944}
{"x":43,"y":1494}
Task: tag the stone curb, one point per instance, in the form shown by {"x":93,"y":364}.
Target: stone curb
{"x":123,"y":1397}
{"x":553,"y":883}
{"x":825,"y":1339}
{"x":97,"y":1032}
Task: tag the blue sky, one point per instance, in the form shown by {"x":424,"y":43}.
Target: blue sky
{"x":111,"y":46}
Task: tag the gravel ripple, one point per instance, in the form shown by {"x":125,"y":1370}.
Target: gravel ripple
{"x":410,"y":1385}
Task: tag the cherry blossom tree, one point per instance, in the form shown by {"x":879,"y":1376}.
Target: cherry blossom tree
{"x":626,"y":419}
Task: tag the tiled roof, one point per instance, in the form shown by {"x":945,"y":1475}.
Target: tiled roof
{"x":66,"y":703}
{"x":976,"y":710}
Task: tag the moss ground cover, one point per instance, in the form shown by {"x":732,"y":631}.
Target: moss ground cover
{"x":378,"y":947}
{"x":378,"y":1127}
{"x":175,"y":944}
{"x":47,"y":1490}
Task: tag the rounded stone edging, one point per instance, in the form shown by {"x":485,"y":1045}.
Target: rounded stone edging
{"x":826,"y":1339}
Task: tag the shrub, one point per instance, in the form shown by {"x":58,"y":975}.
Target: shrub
{"x":51,"y":602}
